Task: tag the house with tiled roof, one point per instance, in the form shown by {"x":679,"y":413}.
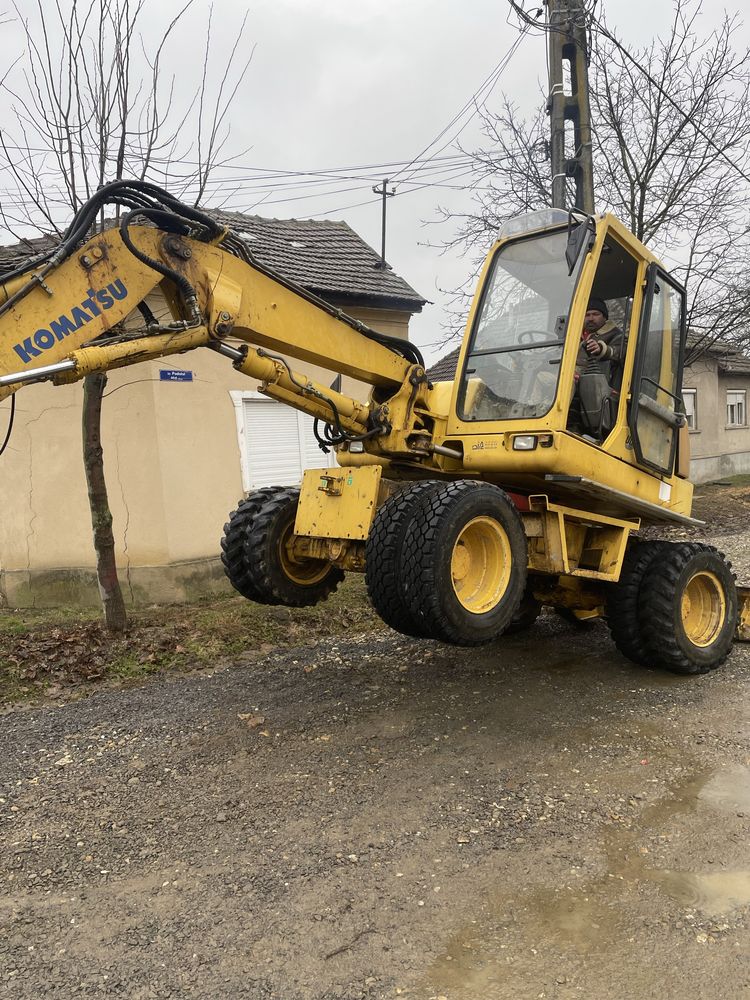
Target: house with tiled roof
{"x":184,"y":437}
{"x":325,"y":257}
{"x":716,"y":387}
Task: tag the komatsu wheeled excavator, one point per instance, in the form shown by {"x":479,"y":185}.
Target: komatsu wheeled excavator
{"x":468,"y":504}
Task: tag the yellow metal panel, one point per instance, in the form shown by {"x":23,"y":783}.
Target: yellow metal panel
{"x":338,"y":503}
{"x":81,"y":299}
{"x":493,"y":458}
{"x":578,"y":543}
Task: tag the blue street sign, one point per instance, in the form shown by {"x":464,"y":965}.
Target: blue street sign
{"x":174,"y":375}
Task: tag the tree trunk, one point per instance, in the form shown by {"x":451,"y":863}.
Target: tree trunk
{"x":101,"y":516}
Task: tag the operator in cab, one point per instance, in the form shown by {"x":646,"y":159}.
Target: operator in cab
{"x":601,"y":340}
{"x":601,"y":352}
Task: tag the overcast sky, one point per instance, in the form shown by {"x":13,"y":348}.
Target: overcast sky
{"x":345,"y":83}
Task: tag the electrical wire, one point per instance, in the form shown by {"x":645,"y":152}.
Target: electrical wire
{"x":655,"y":83}
{"x":439,"y":177}
{"x":9,"y":431}
{"x":488,"y":85}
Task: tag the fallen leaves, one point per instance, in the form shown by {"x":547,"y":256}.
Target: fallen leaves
{"x":78,"y":653}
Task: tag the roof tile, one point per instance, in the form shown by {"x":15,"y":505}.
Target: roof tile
{"x":444,"y":369}
{"x":325,"y":257}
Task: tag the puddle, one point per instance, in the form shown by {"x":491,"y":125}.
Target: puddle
{"x":728,"y":789}
{"x":466,"y":964}
{"x":592,"y":919}
{"x":565,"y":920}
{"x":714,"y":893}
{"x":575,"y":918}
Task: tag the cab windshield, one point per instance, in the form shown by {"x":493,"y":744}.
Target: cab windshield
{"x":513,"y":363}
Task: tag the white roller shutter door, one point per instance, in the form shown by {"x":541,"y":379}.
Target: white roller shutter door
{"x":279,"y":444}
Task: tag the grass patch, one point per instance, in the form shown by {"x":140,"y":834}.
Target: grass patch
{"x":48,"y":649}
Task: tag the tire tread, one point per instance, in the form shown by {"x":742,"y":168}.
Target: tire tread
{"x":426,"y":594}
{"x":383,"y":557}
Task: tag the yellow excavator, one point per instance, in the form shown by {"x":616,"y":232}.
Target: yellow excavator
{"x":468,"y":504}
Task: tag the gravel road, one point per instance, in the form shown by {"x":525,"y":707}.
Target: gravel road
{"x":385,"y":817}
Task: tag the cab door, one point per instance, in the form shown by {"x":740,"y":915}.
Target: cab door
{"x":655,"y":412}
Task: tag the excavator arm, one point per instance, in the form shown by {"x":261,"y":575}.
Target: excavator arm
{"x":65,"y":320}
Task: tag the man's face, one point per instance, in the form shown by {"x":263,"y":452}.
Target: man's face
{"x":594,"y":321}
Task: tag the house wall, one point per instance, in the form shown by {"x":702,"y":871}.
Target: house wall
{"x":172,"y":464}
{"x":717,"y":450}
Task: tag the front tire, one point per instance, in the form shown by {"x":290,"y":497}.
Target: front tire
{"x":464,"y":563}
{"x":623,"y":614}
{"x":383,"y":574}
{"x":688,"y":609}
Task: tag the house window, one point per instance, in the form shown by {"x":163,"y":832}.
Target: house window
{"x":736,"y":409}
{"x":690,"y":399}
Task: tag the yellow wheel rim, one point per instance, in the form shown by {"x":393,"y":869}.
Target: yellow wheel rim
{"x":704,"y":608}
{"x":303,"y":572}
{"x":481,"y":564}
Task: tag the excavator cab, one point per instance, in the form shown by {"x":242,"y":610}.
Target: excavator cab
{"x":524,"y":405}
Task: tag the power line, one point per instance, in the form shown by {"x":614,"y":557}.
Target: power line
{"x":434,"y":170}
{"x":489,"y":82}
{"x":265,"y":173}
{"x":655,"y":83}
{"x":443,"y":171}
{"x":437,"y":172}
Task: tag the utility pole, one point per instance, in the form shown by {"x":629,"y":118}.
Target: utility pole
{"x":386,"y":194}
{"x":568,"y":43}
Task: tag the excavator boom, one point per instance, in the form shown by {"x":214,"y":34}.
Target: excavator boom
{"x":66,"y":321}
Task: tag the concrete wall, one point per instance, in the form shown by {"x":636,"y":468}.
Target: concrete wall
{"x":717,"y":450}
{"x":172,"y":463}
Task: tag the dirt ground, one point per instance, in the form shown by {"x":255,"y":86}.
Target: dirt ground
{"x":371,"y":816}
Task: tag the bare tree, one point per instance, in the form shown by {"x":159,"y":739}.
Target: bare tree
{"x":91,"y":104}
{"x":671,"y":125}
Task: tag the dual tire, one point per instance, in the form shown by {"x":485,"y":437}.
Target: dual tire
{"x":674,"y":607}
{"x":447,"y":561}
{"x":257,"y":557}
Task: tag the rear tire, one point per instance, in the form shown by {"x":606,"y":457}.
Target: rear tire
{"x":383,"y":575}
{"x":623,"y":615}
{"x":464,"y":563}
{"x":267,"y":570}
{"x":688,"y":609}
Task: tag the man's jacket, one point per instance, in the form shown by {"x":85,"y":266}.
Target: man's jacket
{"x":610,"y":362}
